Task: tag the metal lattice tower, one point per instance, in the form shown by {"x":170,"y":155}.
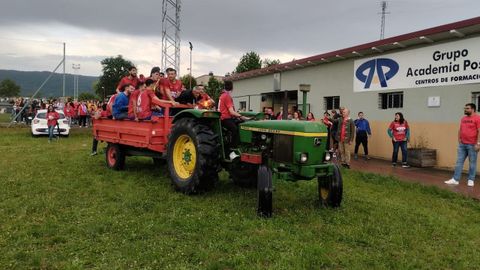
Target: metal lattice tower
{"x":383,"y":4}
{"x":171,"y":34}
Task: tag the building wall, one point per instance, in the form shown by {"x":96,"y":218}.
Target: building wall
{"x":437,"y":125}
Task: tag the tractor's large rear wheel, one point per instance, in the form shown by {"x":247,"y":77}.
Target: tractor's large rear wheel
{"x":244,"y":174}
{"x":330,"y":188}
{"x":193,"y":156}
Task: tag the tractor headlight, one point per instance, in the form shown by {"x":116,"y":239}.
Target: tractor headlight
{"x":303,"y":157}
{"x":327,"y":156}
{"x":263,"y":137}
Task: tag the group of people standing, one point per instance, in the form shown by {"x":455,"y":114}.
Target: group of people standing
{"x":343,"y":131}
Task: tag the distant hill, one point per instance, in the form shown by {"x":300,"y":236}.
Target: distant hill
{"x":29,"y":81}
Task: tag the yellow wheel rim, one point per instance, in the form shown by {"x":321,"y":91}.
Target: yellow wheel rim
{"x":184,"y":157}
{"x":324,"y":193}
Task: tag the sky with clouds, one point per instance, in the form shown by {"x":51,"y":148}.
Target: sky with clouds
{"x":32,"y":32}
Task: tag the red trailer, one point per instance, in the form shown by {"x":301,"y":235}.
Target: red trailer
{"x":128,"y":137}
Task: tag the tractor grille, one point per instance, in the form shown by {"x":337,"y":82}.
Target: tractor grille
{"x":283,"y":148}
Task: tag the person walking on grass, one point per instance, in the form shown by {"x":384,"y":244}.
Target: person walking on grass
{"x":468,"y":145}
{"x":345,"y":135}
{"x":363,"y":133}
{"x":52,"y":117}
{"x":399,"y":131}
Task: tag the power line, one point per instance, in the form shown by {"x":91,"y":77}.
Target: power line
{"x":31,"y":40}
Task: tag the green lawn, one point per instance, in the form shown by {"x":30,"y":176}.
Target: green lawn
{"x":62,"y":209}
{"x":5,"y":117}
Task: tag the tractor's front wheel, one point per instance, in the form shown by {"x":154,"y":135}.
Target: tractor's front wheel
{"x":193,"y":156}
{"x":330,"y":188}
{"x":265,"y":192}
{"x":244,"y":174}
{"x":115,"y":157}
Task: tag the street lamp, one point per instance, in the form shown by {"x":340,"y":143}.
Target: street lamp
{"x":191,"y":48}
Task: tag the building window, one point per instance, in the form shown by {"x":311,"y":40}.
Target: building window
{"x":331,"y":103}
{"x":390,"y":100}
{"x":476,"y":98}
{"x":243,"y":105}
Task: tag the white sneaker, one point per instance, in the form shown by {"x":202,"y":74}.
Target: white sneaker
{"x":451,"y":182}
{"x":233,"y":155}
{"x":470,"y":183}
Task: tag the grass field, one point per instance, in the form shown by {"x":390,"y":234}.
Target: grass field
{"x":62,"y":209}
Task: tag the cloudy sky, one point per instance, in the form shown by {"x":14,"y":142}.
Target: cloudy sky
{"x":32,"y":31}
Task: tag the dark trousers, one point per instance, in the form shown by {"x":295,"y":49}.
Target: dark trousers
{"x":94,"y":145}
{"x":231,"y":125}
{"x":361,"y":138}
{"x":402,"y":145}
{"x":82,"y":120}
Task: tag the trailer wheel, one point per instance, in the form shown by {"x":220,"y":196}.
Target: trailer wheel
{"x":115,"y":157}
{"x":244,"y":174}
{"x":265,"y":192}
{"x":330,"y":188}
{"x":193,"y":156}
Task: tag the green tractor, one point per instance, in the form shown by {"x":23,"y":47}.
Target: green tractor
{"x":269,"y":150}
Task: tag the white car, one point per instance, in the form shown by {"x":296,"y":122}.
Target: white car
{"x":39,"y":124}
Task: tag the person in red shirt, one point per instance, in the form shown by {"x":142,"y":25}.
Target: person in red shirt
{"x":146,"y":100}
{"x":310,"y":117}
{"x":110,"y":103}
{"x":52,"y":117}
{"x":131,"y":79}
{"x":399,"y":131}
{"x":157,"y":78}
{"x":132,"y":101}
{"x":228,"y":116}
{"x":68,"y":110}
{"x":171,"y":87}
{"x":468,"y":145}
{"x":82,"y":114}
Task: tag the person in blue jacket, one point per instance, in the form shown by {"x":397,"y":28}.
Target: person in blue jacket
{"x":120,"y":107}
{"x":363,"y":133}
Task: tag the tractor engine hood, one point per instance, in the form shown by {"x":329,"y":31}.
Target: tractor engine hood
{"x":286,"y":127}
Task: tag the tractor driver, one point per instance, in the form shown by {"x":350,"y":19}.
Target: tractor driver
{"x":229,"y":117}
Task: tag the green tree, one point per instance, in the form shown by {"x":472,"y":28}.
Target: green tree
{"x":249,"y":61}
{"x":186,"y":81}
{"x":87,"y":96}
{"x":113,"y":68}
{"x":270,"y":62}
{"x":214,"y":88}
{"x":9,"y":88}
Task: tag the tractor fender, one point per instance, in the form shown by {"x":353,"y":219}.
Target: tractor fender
{"x":194,"y":113}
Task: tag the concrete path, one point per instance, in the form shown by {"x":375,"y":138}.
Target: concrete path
{"x":424,"y":176}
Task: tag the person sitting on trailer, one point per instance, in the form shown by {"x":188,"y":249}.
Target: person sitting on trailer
{"x":171,"y":86}
{"x":120,"y":107}
{"x":132,"y":101}
{"x":145,"y":101}
{"x":196,"y":97}
{"x":130,"y":79}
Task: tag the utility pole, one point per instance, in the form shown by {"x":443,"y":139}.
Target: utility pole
{"x":63,"y":88}
{"x":383,"y":4}
{"x":75,"y":68}
{"x":171,"y":34}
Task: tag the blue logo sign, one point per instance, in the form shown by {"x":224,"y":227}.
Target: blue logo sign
{"x":377,"y":65}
